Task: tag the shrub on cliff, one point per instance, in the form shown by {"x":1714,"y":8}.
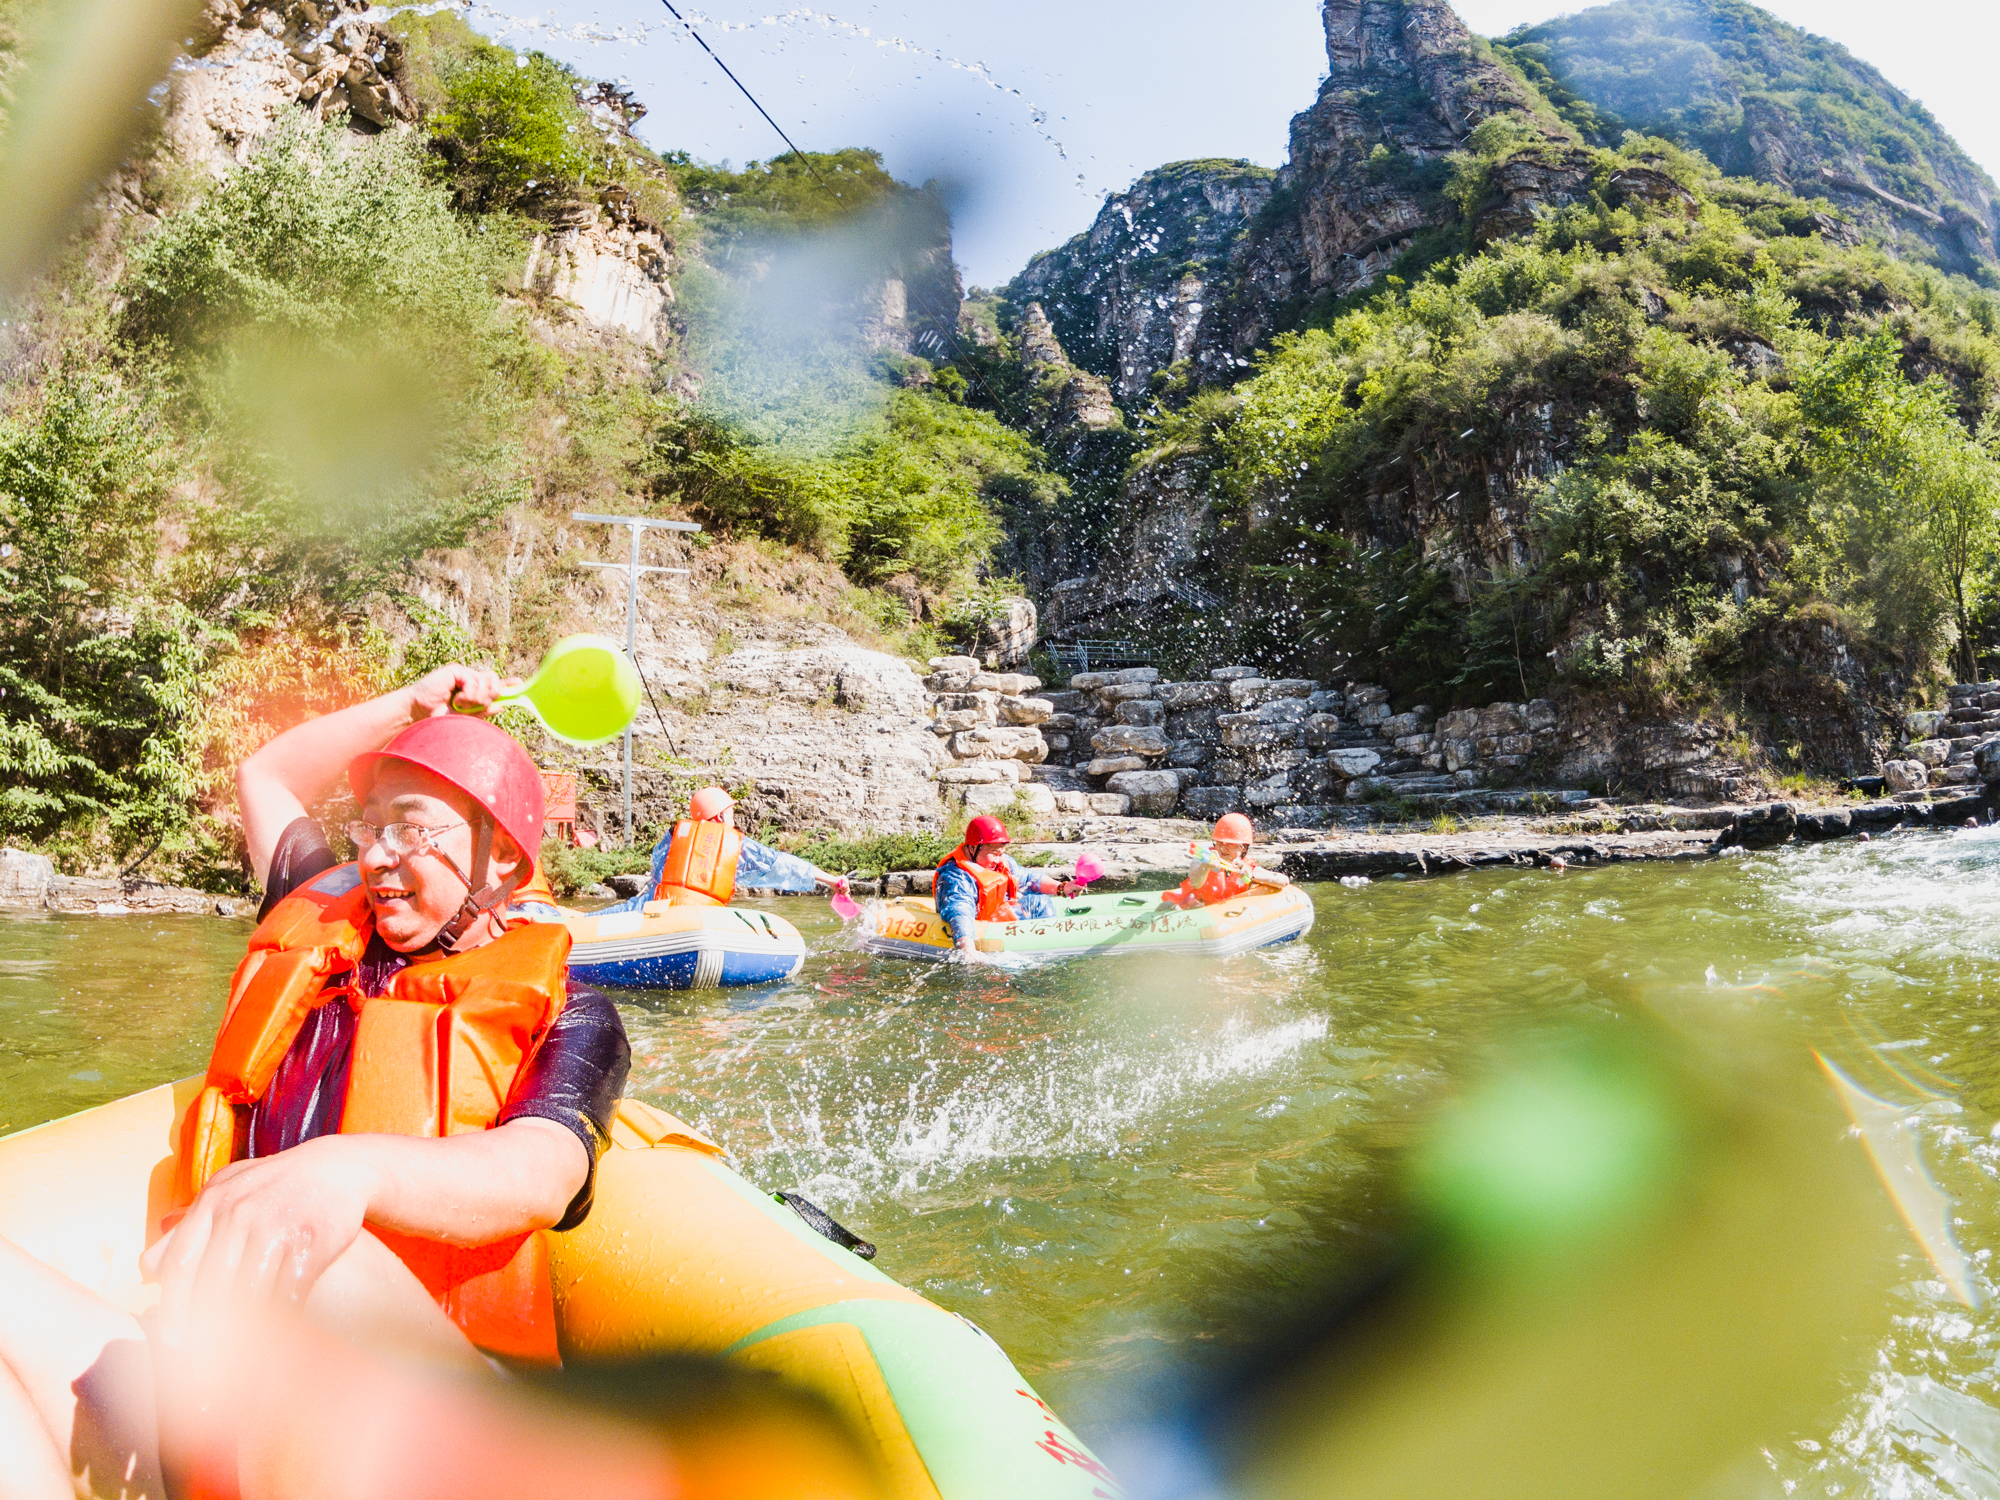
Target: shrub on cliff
{"x":1627,"y":451}
{"x":331,"y":332}
{"x":921,"y":489}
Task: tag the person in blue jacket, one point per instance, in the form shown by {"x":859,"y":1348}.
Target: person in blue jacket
{"x":977,"y":882}
{"x":750,"y":863}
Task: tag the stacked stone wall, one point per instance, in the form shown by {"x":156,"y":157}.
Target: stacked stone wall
{"x":1282,"y":747}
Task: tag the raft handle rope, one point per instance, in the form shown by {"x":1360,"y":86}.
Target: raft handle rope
{"x":824,"y":1222}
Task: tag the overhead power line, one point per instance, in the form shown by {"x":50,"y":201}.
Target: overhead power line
{"x":944,"y":327}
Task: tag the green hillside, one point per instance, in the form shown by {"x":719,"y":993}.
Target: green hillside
{"x":1764,"y":99}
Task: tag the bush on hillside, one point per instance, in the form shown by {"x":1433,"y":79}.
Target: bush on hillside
{"x":1721,"y":434}
{"x":332,"y":328}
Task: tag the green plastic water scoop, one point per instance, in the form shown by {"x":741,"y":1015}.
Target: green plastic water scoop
{"x":585,"y":691}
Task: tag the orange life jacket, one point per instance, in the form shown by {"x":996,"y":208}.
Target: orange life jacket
{"x":437,"y":1053}
{"x":1217,"y":884}
{"x":701,"y":864}
{"x":997,"y":889}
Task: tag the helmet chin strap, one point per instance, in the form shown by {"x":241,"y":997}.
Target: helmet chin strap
{"x":478,"y":900}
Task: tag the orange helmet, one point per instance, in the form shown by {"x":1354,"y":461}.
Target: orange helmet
{"x":1234,"y":828}
{"x":985,"y":830}
{"x":709,"y":803}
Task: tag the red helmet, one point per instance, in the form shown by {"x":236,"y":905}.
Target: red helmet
{"x":709,"y":802}
{"x":1233,"y":828}
{"x":479,"y":758}
{"x":985,"y":829}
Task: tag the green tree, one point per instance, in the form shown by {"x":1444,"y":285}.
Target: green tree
{"x":512,"y":130}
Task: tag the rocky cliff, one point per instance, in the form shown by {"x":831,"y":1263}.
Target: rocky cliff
{"x":1127,"y":298}
{"x":1200,"y":261}
{"x":1407,"y":86}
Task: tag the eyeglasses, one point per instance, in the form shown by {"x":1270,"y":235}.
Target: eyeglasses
{"x":400,"y":839}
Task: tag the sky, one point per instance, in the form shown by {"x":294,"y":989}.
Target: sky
{"x":1031,"y":111}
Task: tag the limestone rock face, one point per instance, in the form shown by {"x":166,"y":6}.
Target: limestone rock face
{"x":845,"y":677}
{"x":615,"y":274}
{"x":254,"y":60}
{"x":1128,"y":297}
{"x":827,"y":736}
{"x":1404,"y":77}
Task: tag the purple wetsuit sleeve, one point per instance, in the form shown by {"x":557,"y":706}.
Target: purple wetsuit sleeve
{"x":575,"y":1078}
{"x":302,"y":854}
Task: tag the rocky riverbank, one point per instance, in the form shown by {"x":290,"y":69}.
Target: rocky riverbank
{"x":30,"y":882}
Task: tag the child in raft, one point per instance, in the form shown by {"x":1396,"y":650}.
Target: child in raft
{"x":1221,"y":869}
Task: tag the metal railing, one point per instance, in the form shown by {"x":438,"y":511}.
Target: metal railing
{"x":1099,"y":655}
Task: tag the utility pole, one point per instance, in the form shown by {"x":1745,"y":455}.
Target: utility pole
{"x":632,"y":571}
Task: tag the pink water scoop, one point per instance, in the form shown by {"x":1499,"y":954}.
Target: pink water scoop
{"x":843,"y":904}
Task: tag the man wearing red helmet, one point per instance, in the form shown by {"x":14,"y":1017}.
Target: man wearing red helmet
{"x":977,"y":882}
{"x":405,"y":1090}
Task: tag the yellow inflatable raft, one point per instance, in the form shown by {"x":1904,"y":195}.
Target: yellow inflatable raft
{"x":679,"y":1255}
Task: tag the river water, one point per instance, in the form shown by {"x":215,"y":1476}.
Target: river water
{"x":1089,"y":1158}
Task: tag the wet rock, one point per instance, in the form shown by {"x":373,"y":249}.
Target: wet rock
{"x":1248,"y":692}
{"x":1129,"y":739}
{"x":1233,"y":674}
{"x":1184,"y":695}
{"x":1025,"y":711}
{"x":1111,"y":765}
{"x":974,"y":773}
{"x":1760,"y":827}
{"x":1322,"y":730}
{"x":1272,"y":791}
{"x":1351,"y":763}
{"x":1252,"y":732}
{"x":1190,"y":753}
{"x":1284,"y":711}
{"x":1115,"y":693}
{"x":1193,"y":724}
{"x":1906,"y":775}
{"x":1147,"y":712}
{"x":1817,"y":827}
{"x":1004,"y":743}
{"x":1152,"y":793}
{"x":1211,"y":801}
{"x":1370,"y":715}
{"x":25,"y":878}
{"x":1987,"y":759}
